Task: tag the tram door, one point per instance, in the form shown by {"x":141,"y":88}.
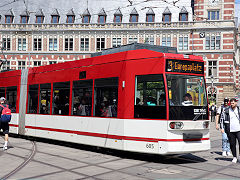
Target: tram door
{"x":106,"y":97}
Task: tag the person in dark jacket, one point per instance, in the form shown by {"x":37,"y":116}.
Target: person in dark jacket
{"x":213,"y":110}
{"x":219,"y":118}
{"x":231,"y":125}
{"x":4,"y":125}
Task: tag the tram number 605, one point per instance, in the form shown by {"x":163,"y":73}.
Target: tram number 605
{"x":150,"y":146}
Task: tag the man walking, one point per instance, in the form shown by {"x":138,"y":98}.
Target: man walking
{"x":4,"y":125}
{"x":231,"y":125}
{"x":213,"y":110}
{"x":219,"y":118}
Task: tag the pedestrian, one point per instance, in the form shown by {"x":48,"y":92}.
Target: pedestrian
{"x":231,"y":125}
{"x":4,"y":125}
{"x":213,"y":110}
{"x":219,"y":118}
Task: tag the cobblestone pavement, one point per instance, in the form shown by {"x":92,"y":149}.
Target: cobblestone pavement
{"x":26,"y":159}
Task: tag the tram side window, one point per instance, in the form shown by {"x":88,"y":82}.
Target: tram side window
{"x":11,"y":97}
{"x":82,"y":98}
{"x":61,"y":92}
{"x":150,"y":97}
{"x":2,"y":92}
{"x":106,"y":97}
{"x":44,"y":98}
{"x":33,"y":99}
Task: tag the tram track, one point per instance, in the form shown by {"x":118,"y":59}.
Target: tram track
{"x":169,"y":159}
{"x":22,"y":165}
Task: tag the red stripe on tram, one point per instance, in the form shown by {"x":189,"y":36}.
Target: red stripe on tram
{"x":130,"y":138}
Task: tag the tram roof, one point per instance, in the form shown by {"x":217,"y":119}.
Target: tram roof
{"x":135,"y":46}
{"x":108,"y":58}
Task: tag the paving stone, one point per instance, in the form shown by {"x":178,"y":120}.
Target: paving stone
{"x":92,"y":170}
{"x":34,"y":169}
{"x":118,"y":176}
{"x":58,"y":161}
{"x":61,"y":176}
{"x":218,"y":176}
{"x":8,"y":163}
{"x":119,"y":164}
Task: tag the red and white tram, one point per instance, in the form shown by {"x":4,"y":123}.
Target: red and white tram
{"x":138,"y":100}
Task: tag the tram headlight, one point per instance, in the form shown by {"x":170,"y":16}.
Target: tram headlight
{"x":206,"y":124}
{"x":176,"y":125}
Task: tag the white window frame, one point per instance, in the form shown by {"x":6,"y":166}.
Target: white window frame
{"x":212,"y":66}
{"x":69,"y":41}
{"x":116,"y":42}
{"x":37,"y":48}
{"x":149,"y":40}
{"x":54,"y":42}
{"x":100,"y":40}
{"x":183,"y":43}
{"x":21,"y":44}
{"x":166,"y":40}
{"x":21,"y":65}
{"x":84,"y":44}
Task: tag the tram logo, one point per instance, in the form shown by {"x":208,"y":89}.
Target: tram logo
{"x":200,"y":111}
{"x":181,"y":66}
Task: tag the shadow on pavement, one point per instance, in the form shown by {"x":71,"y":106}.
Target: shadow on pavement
{"x":163,"y":159}
{"x":216,"y":152}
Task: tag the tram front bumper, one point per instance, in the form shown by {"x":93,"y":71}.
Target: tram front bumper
{"x":173,"y":147}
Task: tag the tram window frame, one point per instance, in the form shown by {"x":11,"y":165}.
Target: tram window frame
{"x":82,"y":98}
{"x":33,"y":99}
{"x":63,"y":107}
{"x":106,"y":94}
{"x":150,"y":97}
{"x":45,"y":98}
{"x":2,"y":91}
{"x":184,"y":100}
{"x":13,"y":101}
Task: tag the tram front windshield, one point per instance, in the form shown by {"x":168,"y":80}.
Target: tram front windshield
{"x":187,"y":97}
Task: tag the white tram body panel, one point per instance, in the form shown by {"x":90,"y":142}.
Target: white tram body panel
{"x":14,"y":121}
{"x":147,"y":136}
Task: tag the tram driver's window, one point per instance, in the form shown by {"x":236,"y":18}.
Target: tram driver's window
{"x":44,"y":98}
{"x":82,"y":98}
{"x":61,"y":92}
{"x":150,"y":97}
{"x":32,"y":99}
{"x":11,"y":97}
{"x":106,"y":97}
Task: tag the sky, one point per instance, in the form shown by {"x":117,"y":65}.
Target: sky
{"x":237,"y":9}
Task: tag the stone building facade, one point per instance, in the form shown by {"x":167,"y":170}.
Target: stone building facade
{"x":41,"y":32}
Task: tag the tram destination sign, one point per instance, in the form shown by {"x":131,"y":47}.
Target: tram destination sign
{"x":182,"y":66}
